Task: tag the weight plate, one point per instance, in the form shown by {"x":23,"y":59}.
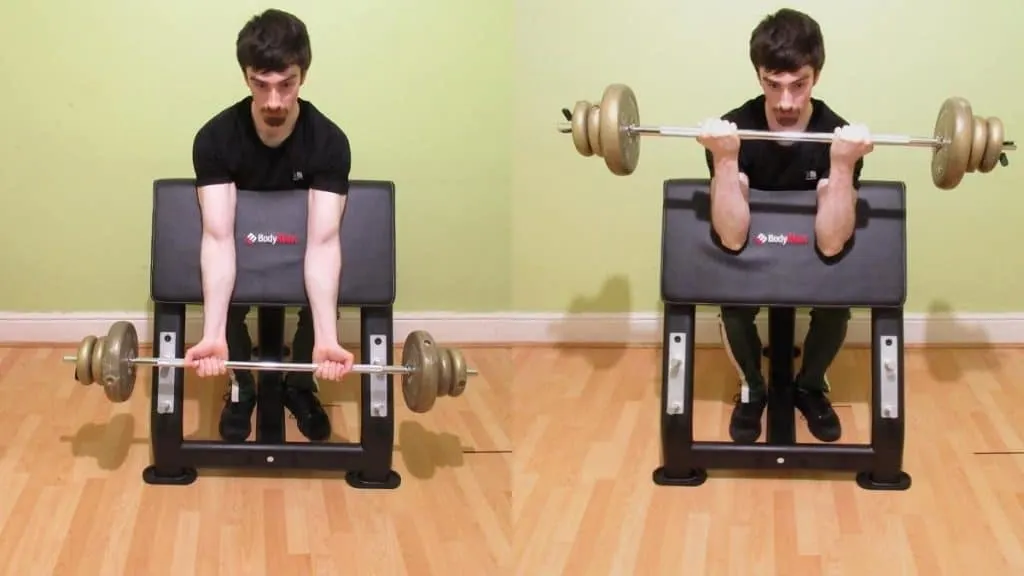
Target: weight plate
{"x":979,"y":136}
{"x":954,"y":125}
{"x":120,"y":346}
{"x":419,"y":388}
{"x":96,"y":362}
{"x":594,"y":130}
{"x":83,"y":360}
{"x":579,"y":128}
{"x":621,"y":149}
{"x":994,"y":145}
{"x":459,"y":373}
{"x":444,"y":373}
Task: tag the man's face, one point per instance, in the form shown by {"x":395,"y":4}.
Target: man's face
{"x":787,"y":93}
{"x":274,"y":93}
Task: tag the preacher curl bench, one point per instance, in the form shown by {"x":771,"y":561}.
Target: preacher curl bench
{"x":270,"y":243}
{"x":781,"y":269}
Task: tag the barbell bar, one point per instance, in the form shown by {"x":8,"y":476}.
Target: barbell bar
{"x":961,"y":142}
{"x":270,"y":366}
{"x":428,"y":371}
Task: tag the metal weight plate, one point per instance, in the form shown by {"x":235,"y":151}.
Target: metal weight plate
{"x":83,"y":360}
{"x":579,"y":128}
{"x":594,"y":130}
{"x":444,"y":373}
{"x":118,"y":374}
{"x":979,"y":136}
{"x":419,"y":388}
{"x":96,"y":362}
{"x":459,"y":373}
{"x":954,"y":125}
{"x":994,"y":145}
{"x":621,"y":149}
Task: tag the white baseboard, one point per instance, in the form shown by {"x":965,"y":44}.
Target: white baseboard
{"x":526,"y":328}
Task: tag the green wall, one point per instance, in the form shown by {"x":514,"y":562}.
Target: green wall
{"x":457,"y":101}
{"x":102,"y":97}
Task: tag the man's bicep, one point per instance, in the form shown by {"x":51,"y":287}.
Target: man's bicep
{"x":217,"y":206}
{"x":326,"y":210}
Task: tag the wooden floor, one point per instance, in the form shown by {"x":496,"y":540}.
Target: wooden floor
{"x":540,"y":469}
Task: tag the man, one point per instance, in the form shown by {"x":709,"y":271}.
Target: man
{"x":272,"y":140}
{"x":787,"y":52}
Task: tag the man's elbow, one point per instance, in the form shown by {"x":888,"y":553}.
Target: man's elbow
{"x":831,"y":247}
{"x":733,"y":236}
{"x":324,"y":237}
{"x":733,"y":243}
{"x":217,"y":234}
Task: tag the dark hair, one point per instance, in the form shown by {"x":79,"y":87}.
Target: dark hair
{"x":787,"y":41}
{"x":273,"y":41}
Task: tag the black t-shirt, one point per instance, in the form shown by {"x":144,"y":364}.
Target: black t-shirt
{"x":315,"y":155}
{"x":771,"y":165}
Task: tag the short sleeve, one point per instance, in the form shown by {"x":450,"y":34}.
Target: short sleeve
{"x":333,"y":163}
{"x":207,"y":160}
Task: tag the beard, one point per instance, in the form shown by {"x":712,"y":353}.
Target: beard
{"x":275,"y":118}
{"x":787,"y":118}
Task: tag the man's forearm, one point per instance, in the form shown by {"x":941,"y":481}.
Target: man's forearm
{"x":730,"y":211}
{"x":836,"y":218}
{"x":323,"y":273}
{"x":217,"y":262}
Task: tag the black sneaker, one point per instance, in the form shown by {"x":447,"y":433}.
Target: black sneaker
{"x":302,"y":402}
{"x":236,"y":416}
{"x":745,"y":424}
{"x":822,"y":420}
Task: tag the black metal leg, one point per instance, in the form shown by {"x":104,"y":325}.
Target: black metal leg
{"x":377,"y":418}
{"x":781,"y":393}
{"x":269,"y":384}
{"x":168,"y":400}
{"x":677,"y":400}
{"x":887,"y":403}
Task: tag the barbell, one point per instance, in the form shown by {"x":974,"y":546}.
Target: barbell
{"x":962,"y":142}
{"x":428,"y":371}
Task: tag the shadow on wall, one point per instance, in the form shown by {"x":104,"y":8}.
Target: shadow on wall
{"x":605,"y":320}
{"x":942,"y":326}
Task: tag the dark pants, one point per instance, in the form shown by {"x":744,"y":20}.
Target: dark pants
{"x":240,"y":344}
{"x":824,"y":339}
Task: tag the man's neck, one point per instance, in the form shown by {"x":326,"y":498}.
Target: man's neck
{"x":273,"y":136}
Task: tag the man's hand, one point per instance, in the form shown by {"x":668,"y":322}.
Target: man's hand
{"x":851,"y":143}
{"x":208,"y":357}
{"x":720,"y":138}
{"x":333,"y":362}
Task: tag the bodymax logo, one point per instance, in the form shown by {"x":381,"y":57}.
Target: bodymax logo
{"x":781,"y":239}
{"x":273,"y":238}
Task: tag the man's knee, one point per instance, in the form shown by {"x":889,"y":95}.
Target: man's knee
{"x":738,"y":315}
{"x":832,"y":316}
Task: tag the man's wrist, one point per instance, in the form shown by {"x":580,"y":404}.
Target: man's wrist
{"x":728,"y":163}
{"x":840,"y":168}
